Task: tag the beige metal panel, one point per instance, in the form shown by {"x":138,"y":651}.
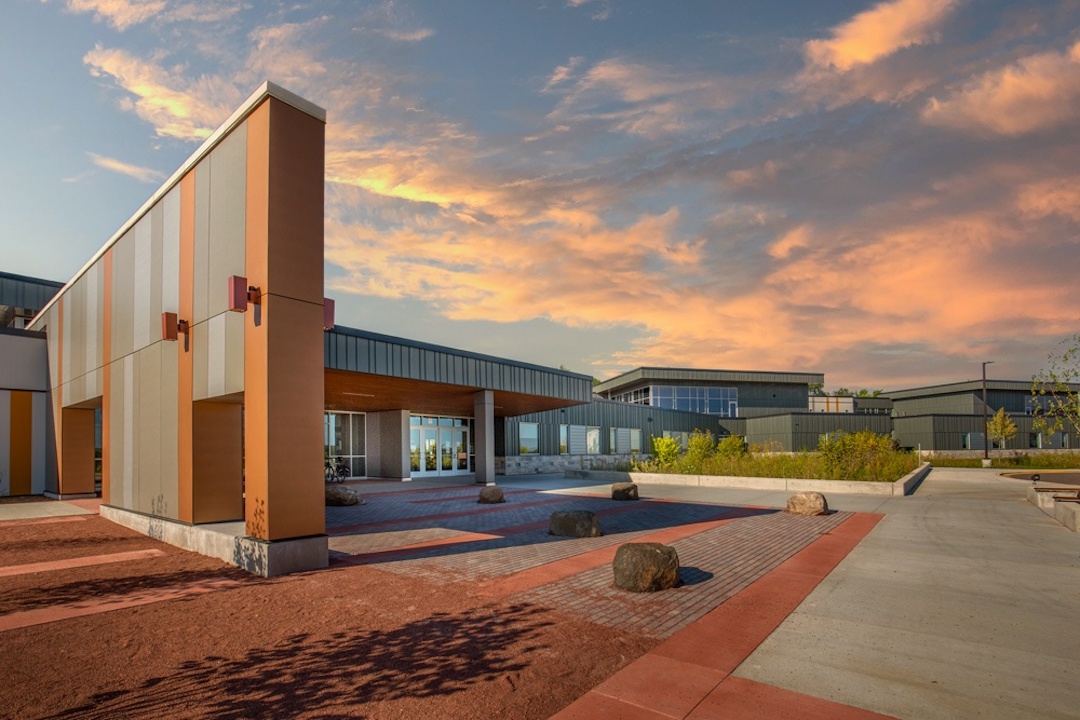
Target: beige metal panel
{"x":141,"y":284}
{"x":199,"y":282}
{"x":5,"y":442}
{"x":156,"y":228}
{"x":148,"y":429}
{"x":123,"y":297}
{"x":234,"y":351}
{"x":23,"y":363}
{"x":92,"y":303}
{"x":39,"y":445}
{"x":168,"y":412}
{"x":170,"y":251}
{"x":228,"y":189}
{"x":127,"y":431}
{"x":200,"y":351}
{"x":116,"y":437}
{"x":52,"y":320}
{"x":215,"y":355}
{"x":65,"y":341}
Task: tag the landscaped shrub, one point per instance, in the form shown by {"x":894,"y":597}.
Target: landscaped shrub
{"x":732,"y":446}
{"x":665,"y":452}
{"x":699,"y":449}
{"x":863,"y":455}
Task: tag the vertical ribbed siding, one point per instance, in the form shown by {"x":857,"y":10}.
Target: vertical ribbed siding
{"x":356,"y":351}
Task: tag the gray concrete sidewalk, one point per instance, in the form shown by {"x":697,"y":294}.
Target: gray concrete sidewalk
{"x":39,"y":509}
{"x":961,"y":603}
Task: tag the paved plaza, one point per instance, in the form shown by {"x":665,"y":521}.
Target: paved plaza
{"x":955,"y":602}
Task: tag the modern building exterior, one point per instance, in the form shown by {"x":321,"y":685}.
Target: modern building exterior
{"x":193,"y":371}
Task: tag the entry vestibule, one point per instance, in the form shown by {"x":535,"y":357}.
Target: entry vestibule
{"x":440,"y":446}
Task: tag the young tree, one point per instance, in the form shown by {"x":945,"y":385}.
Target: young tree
{"x":1053,"y":391}
{"x":1001,"y":428}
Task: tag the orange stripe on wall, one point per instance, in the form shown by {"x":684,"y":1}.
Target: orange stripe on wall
{"x":22,"y":439}
{"x":185,"y":367}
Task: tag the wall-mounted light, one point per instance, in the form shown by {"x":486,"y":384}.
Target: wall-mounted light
{"x":241,"y":294}
{"x":172,"y":327}
{"x":327,"y":314}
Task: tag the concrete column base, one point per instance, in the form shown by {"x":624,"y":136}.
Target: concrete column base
{"x":227,"y":541}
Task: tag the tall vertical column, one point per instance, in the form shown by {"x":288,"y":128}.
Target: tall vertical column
{"x":283,"y":335}
{"x":484,"y":429}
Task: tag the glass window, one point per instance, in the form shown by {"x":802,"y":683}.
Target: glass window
{"x":592,"y":441}
{"x":528,"y":438}
{"x":635,"y":440}
{"x":612,"y":446}
{"x":564,"y":439}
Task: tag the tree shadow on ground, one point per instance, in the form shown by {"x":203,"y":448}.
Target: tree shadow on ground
{"x":332,"y":677}
{"x":693,"y":575}
{"x":85,"y":592}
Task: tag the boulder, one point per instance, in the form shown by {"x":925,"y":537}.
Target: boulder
{"x":338,"y":495}
{"x":490,"y":495}
{"x":574,"y":523}
{"x":624,"y":491}
{"x":646,"y":567}
{"x":807,"y":503}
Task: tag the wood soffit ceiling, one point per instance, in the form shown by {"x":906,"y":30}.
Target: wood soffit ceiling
{"x":361,"y":392}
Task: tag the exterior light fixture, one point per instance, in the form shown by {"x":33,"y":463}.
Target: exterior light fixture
{"x":327,"y":313}
{"x":171,"y":327}
{"x":241,"y":294}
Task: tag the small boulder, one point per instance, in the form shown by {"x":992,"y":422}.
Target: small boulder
{"x":338,"y":495}
{"x":489,"y":495}
{"x":646,"y":567}
{"x":808,"y":503}
{"x":574,"y":523}
{"x":624,"y":491}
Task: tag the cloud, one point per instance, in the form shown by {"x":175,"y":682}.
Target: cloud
{"x":1035,"y":93}
{"x":176,"y":106}
{"x":142,"y":174}
{"x":123,"y":14}
{"x":407,"y":35}
{"x":563,"y":72}
{"x":602,"y":12}
{"x":638,"y":98}
{"x":879,"y":32}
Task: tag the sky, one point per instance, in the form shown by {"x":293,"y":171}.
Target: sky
{"x":885,"y":192}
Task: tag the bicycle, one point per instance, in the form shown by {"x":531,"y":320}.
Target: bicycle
{"x":337,"y":471}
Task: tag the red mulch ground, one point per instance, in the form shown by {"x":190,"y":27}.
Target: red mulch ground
{"x":341,"y":643}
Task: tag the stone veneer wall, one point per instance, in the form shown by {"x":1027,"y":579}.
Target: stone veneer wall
{"x":535,"y":464}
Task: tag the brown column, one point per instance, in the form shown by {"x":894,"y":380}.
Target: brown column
{"x":283,"y":343}
{"x":21,"y":442}
{"x":77,"y":451}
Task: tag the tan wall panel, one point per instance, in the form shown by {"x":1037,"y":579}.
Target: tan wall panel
{"x":123,"y":297}
{"x":157,"y":269}
{"x":217,"y":462}
{"x":200,"y":352}
{"x":106,"y":378}
{"x":168,"y":418}
{"x":228,"y":182}
{"x":201,"y":268}
{"x":234,"y":352}
{"x":78,"y":451}
{"x":148,"y":392}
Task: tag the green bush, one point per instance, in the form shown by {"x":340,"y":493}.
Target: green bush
{"x":732,"y":446}
{"x":863,"y":455}
{"x":665,"y":451}
{"x":699,"y":449}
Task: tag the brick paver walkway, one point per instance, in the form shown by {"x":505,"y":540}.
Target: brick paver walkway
{"x":722,"y":550}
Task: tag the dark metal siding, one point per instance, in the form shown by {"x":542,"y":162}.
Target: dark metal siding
{"x":26,"y":292}
{"x":361,"y":351}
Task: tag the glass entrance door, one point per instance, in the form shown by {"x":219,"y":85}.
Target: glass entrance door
{"x":439,"y":446}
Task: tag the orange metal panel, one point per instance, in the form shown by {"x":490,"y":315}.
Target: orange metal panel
{"x":217,"y":462}
{"x":22,"y":438}
{"x":77,"y":449}
{"x":185,"y":368}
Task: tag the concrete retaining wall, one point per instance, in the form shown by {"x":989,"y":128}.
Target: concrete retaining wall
{"x":1068,"y":514}
{"x":904,"y":486}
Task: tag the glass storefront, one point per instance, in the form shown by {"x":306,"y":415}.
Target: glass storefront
{"x":440,"y":446}
{"x":345,"y":442}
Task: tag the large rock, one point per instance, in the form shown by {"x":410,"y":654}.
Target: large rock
{"x":808,"y":503}
{"x":338,"y":495}
{"x":574,"y":523}
{"x":646,"y":567}
{"x":624,"y":491}
{"x":489,"y":495}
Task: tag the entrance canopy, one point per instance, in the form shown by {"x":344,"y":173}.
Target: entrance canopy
{"x":369,"y":372}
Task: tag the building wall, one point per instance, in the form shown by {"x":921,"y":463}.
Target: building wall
{"x":175,"y":439}
{"x":803,"y":431}
{"x":23,"y":413}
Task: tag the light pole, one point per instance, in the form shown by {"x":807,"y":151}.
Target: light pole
{"x":986,"y":422}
